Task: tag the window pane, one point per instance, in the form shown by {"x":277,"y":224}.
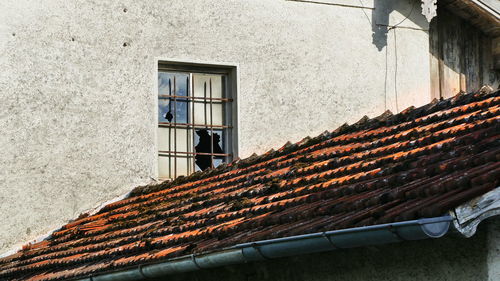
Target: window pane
{"x":182,"y":163}
{"x":166,"y":83}
{"x":217,"y":114}
{"x":167,"y":107}
{"x":163,"y":167}
{"x":199,"y":88}
{"x":184,"y":139}
{"x":218,"y":161}
{"x":202,"y":113}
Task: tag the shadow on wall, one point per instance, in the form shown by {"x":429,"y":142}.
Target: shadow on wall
{"x":381,"y":24}
{"x":389,"y":16}
{"x":461,"y":54}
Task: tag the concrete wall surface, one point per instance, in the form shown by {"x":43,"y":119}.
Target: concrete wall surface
{"x":450,"y":258}
{"x":78,"y":99}
{"x":494,"y":249}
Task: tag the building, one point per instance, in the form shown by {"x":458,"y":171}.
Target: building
{"x":82,"y":83}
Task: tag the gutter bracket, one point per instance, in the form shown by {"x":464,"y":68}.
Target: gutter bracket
{"x":256,"y":248}
{"x":329,"y":240}
{"x":395,"y":233}
{"x":139,"y":269}
{"x":193,"y":258}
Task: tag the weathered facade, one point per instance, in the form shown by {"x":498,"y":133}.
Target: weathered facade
{"x":78,"y":86}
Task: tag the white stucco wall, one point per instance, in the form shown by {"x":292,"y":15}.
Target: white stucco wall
{"x":77,"y":109}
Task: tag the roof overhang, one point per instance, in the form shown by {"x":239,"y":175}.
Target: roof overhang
{"x":484,"y":14}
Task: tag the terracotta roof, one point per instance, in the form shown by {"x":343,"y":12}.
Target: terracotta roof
{"x":420,"y":163}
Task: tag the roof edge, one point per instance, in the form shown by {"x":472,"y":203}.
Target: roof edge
{"x":470,"y":214}
{"x":288,"y":246}
{"x":47,"y":235}
{"x":486,"y":7}
{"x":478,"y":13}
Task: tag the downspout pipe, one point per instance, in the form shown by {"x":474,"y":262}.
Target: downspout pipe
{"x":289,"y":246}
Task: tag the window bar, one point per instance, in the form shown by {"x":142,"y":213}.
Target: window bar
{"x":169,"y":130}
{"x":175,"y":131}
{"x":224,"y":119}
{"x":205,"y":104}
{"x":193,"y":122}
{"x":211,"y":128}
{"x":187,"y":130}
{"x":197,"y":153}
{"x":195,"y":98}
{"x":190,"y":125}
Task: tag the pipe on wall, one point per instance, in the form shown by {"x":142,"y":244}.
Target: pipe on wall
{"x":289,"y":246}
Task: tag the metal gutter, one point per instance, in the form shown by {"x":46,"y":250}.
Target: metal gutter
{"x":289,"y":246}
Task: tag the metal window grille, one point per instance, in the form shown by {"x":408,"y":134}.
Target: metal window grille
{"x":194,"y":129}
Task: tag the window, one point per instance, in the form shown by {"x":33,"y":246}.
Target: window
{"x":195,"y":117}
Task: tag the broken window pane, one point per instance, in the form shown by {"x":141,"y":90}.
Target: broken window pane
{"x":218,"y":136}
{"x":188,"y":105}
{"x":205,"y":144}
{"x":167,"y":107}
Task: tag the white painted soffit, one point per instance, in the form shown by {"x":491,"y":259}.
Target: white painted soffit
{"x":469,"y":215}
